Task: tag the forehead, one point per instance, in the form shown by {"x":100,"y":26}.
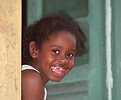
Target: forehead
{"x":62,"y":38}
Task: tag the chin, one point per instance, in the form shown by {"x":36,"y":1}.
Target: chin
{"x":56,"y":79}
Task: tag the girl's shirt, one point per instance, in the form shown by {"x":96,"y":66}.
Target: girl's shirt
{"x":28,"y":67}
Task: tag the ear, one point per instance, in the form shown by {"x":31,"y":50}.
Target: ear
{"x":33,"y":49}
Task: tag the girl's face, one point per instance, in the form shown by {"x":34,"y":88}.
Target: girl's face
{"x":56,"y":56}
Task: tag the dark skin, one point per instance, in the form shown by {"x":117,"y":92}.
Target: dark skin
{"x":54,"y":60}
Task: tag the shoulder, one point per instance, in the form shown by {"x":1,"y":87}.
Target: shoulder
{"x":31,"y":77}
{"x":32,"y":85}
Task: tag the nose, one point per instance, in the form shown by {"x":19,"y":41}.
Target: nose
{"x":63,"y":60}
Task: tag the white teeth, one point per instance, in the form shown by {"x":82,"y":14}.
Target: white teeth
{"x":59,"y":68}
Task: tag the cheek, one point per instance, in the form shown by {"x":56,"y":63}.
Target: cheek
{"x":71,"y":64}
{"x":48,"y":59}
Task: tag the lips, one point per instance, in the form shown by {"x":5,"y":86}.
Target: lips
{"x":58,"y":71}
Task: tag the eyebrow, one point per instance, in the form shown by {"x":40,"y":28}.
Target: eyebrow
{"x":57,"y":46}
{"x":54,"y":45}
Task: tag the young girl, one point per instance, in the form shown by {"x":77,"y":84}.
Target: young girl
{"x":49,"y":48}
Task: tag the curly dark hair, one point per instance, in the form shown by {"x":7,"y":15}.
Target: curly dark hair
{"x":47,"y":26}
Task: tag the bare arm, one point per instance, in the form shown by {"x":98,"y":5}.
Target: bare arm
{"x":32,"y":86}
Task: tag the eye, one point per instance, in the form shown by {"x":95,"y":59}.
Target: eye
{"x":70,"y":55}
{"x":55,"y":51}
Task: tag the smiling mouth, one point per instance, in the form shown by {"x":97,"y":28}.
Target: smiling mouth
{"x":58,"y":71}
